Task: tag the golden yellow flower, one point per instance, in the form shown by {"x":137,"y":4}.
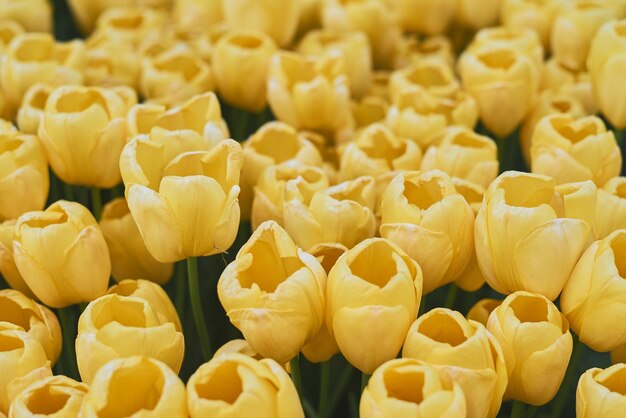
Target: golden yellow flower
{"x":428,"y":76}
{"x":577,"y":83}
{"x":55,"y":396}
{"x":197,"y":15}
{"x":368,"y":110}
{"x":111,"y":61}
{"x":129,"y":25}
{"x":277,"y":18}
{"x":482,"y":309}
{"x":33,"y":15}
{"x":8,"y":269}
{"x":239,"y":346}
{"x":600,"y":392}
{"x":429,"y":17}
{"x":412,"y":49}
{"x":9,"y":29}
{"x":610,"y":212}
{"x":478,"y":14}
{"x":32,"y":108}
{"x":87,"y":12}
{"x":536,"y":15}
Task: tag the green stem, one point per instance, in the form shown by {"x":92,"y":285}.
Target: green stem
{"x":353,"y":404}
{"x":196,"y":307}
{"x":570,"y":377}
{"x":179,"y":300}
{"x":453,"y":290}
{"x":68,"y":192}
{"x":324,"y":386}
{"x":96,"y":202}
{"x":240,"y":127}
{"x":340,"y":388}
{"x":422,"y":308}
{"x":518,"y":409}
{"x":364,"y":379}
{"x":295,"y":374}
{"x":308,"y":409}
{"x":67,"y":318}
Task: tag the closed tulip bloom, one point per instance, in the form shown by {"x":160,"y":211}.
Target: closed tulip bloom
{"x":502,"y":81}
{"x":241,"y":60}
{"x":21,"y":312}
{"x":22,"y":361}
{"x":601,"y":393}
{"x":429,"y":17}
{"x":129,"y":25}
{"x":273,"y":293}
{"x":277,"y":18}
{"x":32,"y":108}
{"x":33,"y":15}
{"x":138,"y":387}
{"x":115,"y":326}
{"x":342,"y":214}
{"x":527,"y":230}
{"x":309,"y":93}
{"x":410,"y":388}
{"x":606,"y":61}
{"x":536,"y":344}
{"x":54,"y":396}
{"x":111,"y":62}
{"x":354,"y":49}
{"x":424,"y":215}
{"x":234,"y":385}
{"x":577,"y":83}
{"x":8,"y":269}
{"x":478,"y":14}
{"x":130,"y":259}
{"x":373,"y":295}
{"x":55,"y":247}
{"x":178,"y":166}
{"x":610,"y":212}
{"x":574,"y":29}
{"x":83,"y":131}
{"x":536,"y":15}
{"x":463,"y":351}
{"x":196,"y":15}
{"x":573,"y":150}
{"x":595,"y":294}
{"x":482,"y":309}
{"x":282,"y":183}
{"x":153,"y":294}
{"x":428,"y":76}
{"x":24,"y":179}
{"x":465,"y":154}
{"x":36,"y":58}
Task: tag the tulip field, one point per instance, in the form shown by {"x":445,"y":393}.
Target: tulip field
{"x":312,"y":208}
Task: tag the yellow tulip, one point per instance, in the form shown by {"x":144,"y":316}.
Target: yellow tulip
{"x":424,"y":215}
{"x":618,"y":355}
{"x":463,"y":351}
{"x":111,"y":62}
{"x":153,"y":294}
{"x":36,"y":58}
{"x":594,"y":297}
{"x":16,"y":309}
{"x":412,"y":49}
{"x":600,"y":392}
{"x":22,"y":361}
{"x":174,"y":75}
{"x":239,"y":346}
{"x":482,"y":309}
{"x":549,"y":102}
{"x":410,"y":388}
{"x":9,"y":29}
{"x":273,"y":292}
{"x":341,"y":214}
{"x":527,"y":229}
{"x":430,"y":76}
{"x":502,"y":80}
{"x":536,"y":15}
{"x":24,"y":179}
{"x":55,"y":396}
{"x":32,"y":108}
{"x":177,"y":166}
{"x":138,"y":387}
{"x":234,"y":385}
{"x":8,"y":269}
{"x":429,"y":17}
{"x":87,"y":12}
{"x":576,"y":83}
{"x":606,"y":61}
{"x":611,"y":208}
{"x":369,"y":110}
{"x":380,"y":84}
{"x":33,"y":15}
{"x":478,"y":14}
{"x":465,"y":154}
{"x":130,"y":258}
{"x":372,"y":17}
{"x":573,"y":29}
{"x":373,"y":295}
{"x":536,"y":344}
{"x":115,"y":326}
{"x":309,"y":93}
{"x":129,"y":25}
{"x":54,"y":248}
{"x":196,"y":15}
{"x":352,"y":47}
{"x":83,"y":131}
{"x":573,"y":150}
{"x":618,"y":7}
{"x":277,"y":18}
{"x":282,"y":183}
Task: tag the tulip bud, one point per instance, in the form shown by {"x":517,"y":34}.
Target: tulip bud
{"x":234,"y":385}
{"x":273,"y":293}
{"x":277,"y":18}
{"x":282,"y":183}
{"x":309,"y":93}
{"x":607,"y":59}
{"x":409,"y":387}
{"x":130,"y":258}
{"x":427,"y":76}
{"x":600,"y":392}
{"x":36,"y":58}
{"x":478,"y":14}
{"x":24,"y":179}
{"x":595,"y":295}
{"x":463,"y":351}
{"x":412,"y":50}
{"x":22,"y":361}
{"x":527,"y":229}
{"x":55,"y":247}
{"x":429,"y":17}
{"x":196,"y":15}
{"x":502,"y":81}
{"x":576,"y":83}
{"x":482,"y":309}
{"x":424,"y":215}
{"x":16,"y":309}
{"x":538,"y":16}
{"x":177,"y":167}
{"x":574,"y":28}
{"x":610,"y":212}
{"x":8,"y":269}
{"x":33,"y":15}
{"x":373,"y":294}
{"x":354,"y":50}
{"x":341,"y":214}
{"x":573,"y":150}
{"x":135,"y":386}
{"x":32,"y":109}
{"x":536,"y":344}
{"x":55,"y":396}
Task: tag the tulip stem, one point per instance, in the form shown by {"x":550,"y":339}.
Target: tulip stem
{"x":295,"y":374}
{"x":340,"y":387}
{"x":67,"y":319}
{"x":453,"y":290}
{"x":324,"y":386}
{"x":196,"y":307}
{"x":562,"y":396}
{"x":364,"y":379}
{"x":96,"y":202}
{"x":518,"y":410}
